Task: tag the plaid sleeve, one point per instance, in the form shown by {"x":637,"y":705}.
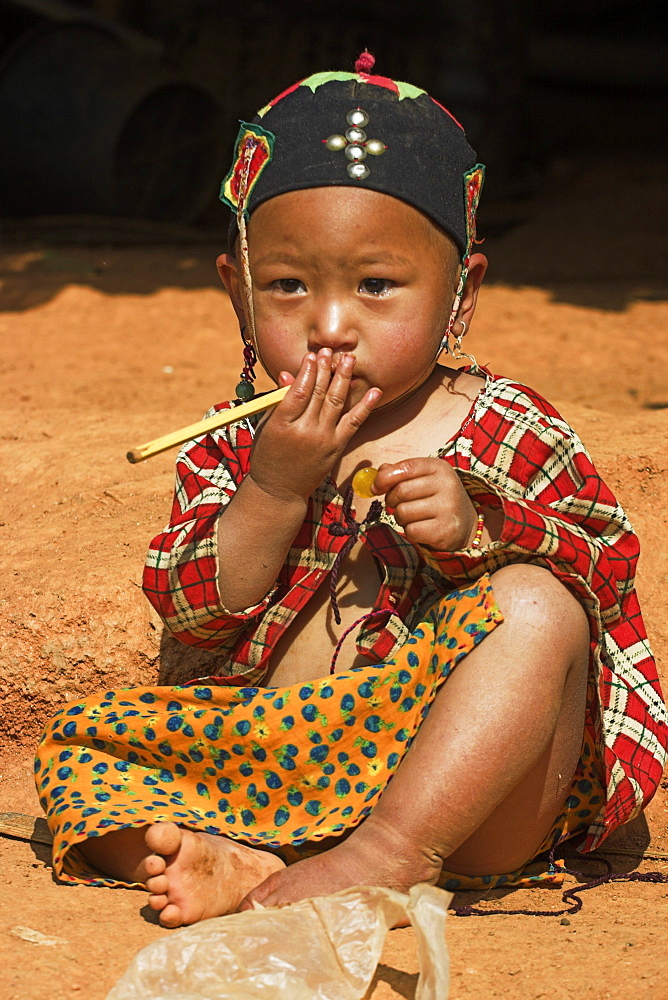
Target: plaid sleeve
{"x":181,"y":571}
{"x":519,"y":454}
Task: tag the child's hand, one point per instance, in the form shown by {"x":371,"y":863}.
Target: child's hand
{"x":429,"y":502}
{"x":296,"y":446}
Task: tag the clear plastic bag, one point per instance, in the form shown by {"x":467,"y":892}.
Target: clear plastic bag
{"x":326,"y":948}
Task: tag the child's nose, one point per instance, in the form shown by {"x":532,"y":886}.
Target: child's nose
{"x":332,"y":326}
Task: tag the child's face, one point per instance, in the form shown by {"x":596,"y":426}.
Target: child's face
{"x":354,"y":271}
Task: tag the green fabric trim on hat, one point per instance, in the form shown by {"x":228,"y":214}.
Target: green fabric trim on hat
{"x":264,"y":152}
{"x":424,"y":158}
{"x":408,"y":90}
{"x":317,"y":80}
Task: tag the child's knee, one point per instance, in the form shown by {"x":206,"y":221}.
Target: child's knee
{"x":532,"y":597}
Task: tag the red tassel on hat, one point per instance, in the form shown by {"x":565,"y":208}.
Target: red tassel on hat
{"x":365,"y":62}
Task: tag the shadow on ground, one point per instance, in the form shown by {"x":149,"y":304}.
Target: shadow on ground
{"x":586,"y":233}
{"x":404,"y":984}
{"x":179,"y":663}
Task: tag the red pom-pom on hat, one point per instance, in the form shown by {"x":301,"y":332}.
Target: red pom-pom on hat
{"x":365,"y":62}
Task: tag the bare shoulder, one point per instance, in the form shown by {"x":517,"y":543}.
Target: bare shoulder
{"x":461,"y":384}
{"x":451,"y":401}
{"x":420,"y":427}
{"x":444,"y":408}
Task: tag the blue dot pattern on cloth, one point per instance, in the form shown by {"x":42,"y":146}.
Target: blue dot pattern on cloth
{"x":281,"y":768}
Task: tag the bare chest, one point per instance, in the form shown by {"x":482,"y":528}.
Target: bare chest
{"x":424,"y":433}
{"x":306,"y":648}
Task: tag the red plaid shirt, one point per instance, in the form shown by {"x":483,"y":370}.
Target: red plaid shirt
{"x":513,"y":451}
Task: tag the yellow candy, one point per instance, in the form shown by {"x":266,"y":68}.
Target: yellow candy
{"x":363,"y":481}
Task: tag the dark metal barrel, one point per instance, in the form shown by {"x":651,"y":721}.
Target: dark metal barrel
{"x":89,"y":126}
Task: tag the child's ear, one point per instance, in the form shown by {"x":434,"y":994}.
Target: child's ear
{"x":476,"y":273}
{"x":228,"y":270}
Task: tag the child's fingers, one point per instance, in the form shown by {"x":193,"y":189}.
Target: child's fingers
{"x":420,"y":532}
{"x":328,"y":391}
{"x":284,"y":379}
{"x":351,"y":422}
{"x":323,"y":382}
{"x":407,"y":490}
{"x":391,"y":475}
{"x":296,"y":401}
{"x":334,"y":399}
{"x":413,"y":512}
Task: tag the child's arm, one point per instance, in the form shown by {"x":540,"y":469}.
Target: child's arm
{"x":525,"y":464}
{"x":229,"y":529}
{"x":180,"y":575}
{"x":295,"y":448}
{"x":543,"y":502}
{"x":429,"y":501}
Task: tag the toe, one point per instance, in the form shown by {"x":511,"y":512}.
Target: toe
{"x":155,"y":865}
{"x":158,"y":884}
{"x":163,"y":838}
{"x":158,"y":902}
{"x":171,"y":916}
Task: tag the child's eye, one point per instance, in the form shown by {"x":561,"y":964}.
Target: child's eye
{"x":290,"y":286}
{"x":376,"y":286}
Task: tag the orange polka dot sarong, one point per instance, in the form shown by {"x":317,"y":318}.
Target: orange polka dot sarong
{"x":289,"y":769}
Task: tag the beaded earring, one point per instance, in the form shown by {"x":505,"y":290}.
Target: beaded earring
{"x":456,"y":350}
{"x":473,"y":180}
{"x":245,"y":389}
{"x":456,"y":303}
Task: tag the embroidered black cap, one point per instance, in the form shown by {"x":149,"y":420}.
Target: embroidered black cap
{"x":362,"y":130}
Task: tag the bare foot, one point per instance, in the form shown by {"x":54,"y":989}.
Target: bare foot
{"x":372,"y":855}
{"x":193,"y":876}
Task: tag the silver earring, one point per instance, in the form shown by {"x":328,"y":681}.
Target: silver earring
{"x":456,"y":341}
{"x":456,"y":350}
{"x":457,"y":346}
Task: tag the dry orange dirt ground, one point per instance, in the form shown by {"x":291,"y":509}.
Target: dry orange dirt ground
{"x":106,"y":348}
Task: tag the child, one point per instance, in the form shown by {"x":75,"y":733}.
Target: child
{"x":355,"y":752}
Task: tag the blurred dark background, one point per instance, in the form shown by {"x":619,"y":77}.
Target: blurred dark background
{"x":129,"y":108}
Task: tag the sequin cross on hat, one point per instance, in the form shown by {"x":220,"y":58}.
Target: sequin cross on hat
{"x":423,"y":157}
{"x":355,"y":144}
